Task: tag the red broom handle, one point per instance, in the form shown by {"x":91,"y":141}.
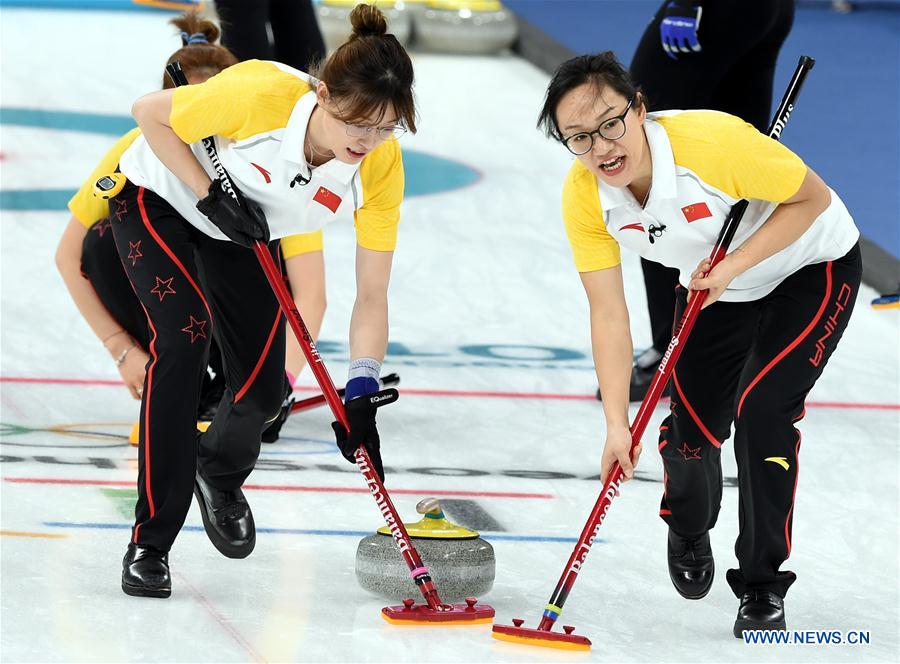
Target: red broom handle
{"x":417,"y":569}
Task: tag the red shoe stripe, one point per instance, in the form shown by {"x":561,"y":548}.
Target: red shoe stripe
{"x":794,"y":343}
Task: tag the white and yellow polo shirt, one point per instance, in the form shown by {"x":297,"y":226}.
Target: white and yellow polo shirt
{"x":703,"y":163}
{"x":89,"y":209}
{"x":258,"y":112}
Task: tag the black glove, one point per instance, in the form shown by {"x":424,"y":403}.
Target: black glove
{"x":361,"y":416}
{"x":242,"y":222}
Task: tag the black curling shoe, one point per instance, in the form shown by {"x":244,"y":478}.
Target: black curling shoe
{"x":760,"y":609}
{"x":227,"y":519}
{"x":691,"y":564}
{"x":145,"y":572}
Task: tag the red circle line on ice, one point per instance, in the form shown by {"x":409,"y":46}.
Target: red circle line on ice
{"x":296,"y":487}
{"x":486,"y":394}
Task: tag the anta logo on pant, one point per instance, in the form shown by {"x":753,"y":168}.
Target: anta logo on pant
{"x":781,"y":461}
{"x":840,"y":303}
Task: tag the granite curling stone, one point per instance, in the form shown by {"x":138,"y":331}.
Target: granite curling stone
{"x":460,"y":562}
{"x":470,"y":27}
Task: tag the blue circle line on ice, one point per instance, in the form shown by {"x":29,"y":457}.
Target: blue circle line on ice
{"x":425,"y":173}
{"x":315,"y":531}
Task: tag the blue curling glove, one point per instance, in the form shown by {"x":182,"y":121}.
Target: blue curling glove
{"x":362,"y":398}
{"x":678,"y":29}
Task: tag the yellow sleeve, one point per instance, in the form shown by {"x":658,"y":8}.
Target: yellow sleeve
{"x":733,"y":156}
{"x":243,"y":100}
{"x":592,"y":245}
{"x":377,"y":220}
{"x":87,"y":208}
{"x":303,"y":243}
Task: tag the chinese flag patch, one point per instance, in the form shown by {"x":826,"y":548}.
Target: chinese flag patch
{"x":696,"y":211}
{"x":327,"y":198}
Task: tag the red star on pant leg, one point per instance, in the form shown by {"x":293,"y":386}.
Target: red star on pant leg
{"x":121,"y":209}
{"x":689,"y":452}
{"x":134,"y":252}
{"x":196,"y":329}
{"x":163,"y":287}
{"x":102,"y":226}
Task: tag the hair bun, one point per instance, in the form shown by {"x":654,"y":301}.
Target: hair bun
{"x":368,"y":21}
{"x":193,"y":23}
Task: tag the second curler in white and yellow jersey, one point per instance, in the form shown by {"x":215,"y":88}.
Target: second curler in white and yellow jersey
{"x":703,"y":163}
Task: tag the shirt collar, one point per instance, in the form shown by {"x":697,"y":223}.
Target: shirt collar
{"x":293,"y":139}
{"x":663,"y":183}
{"x":295,"y":133}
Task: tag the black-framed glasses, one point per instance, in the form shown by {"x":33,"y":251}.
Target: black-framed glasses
{"x":612,"y":129}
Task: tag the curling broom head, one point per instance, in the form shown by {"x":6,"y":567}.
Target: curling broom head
{"x":470,"y":613}
{"x":541,"y":637}
{"x":887,"y":302}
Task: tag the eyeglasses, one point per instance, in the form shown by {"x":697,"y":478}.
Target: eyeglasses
{"x":612,"y":129}
{"x":383,"y":133}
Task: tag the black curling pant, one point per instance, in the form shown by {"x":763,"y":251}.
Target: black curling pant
{"x":101,"y":265}
{"x":752,"y":363}
{"x":245,"y":31}
{"x":192,"y":288}
{"x":733,"y":73}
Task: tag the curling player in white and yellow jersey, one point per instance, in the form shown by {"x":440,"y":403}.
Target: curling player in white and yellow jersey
{"x":92,"y":269}
{"x":86,"y":255}
{"x":301,"y":152}
{"x":661,"y":184}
